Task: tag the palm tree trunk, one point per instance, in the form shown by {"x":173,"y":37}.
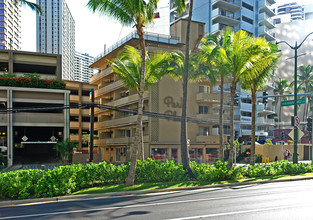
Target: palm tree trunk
{"x":231,"y":121}
{"x":221,"y":151}
{"x":138,"y":140}
{"x":253,"y":127}
{"x":183,"y":136}
{"x":279,"y":130}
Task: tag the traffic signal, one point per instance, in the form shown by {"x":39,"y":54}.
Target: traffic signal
{"x":236,"y":99}
{"x":283,"y":135}
{"x":309,"y":124}
{"x":265,"y":99}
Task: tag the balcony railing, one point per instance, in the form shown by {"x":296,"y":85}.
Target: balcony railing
{"x":147,"y":36}
{"x":109,"y":88}
{"x":119,"y":122}
{"x":117,"y":141}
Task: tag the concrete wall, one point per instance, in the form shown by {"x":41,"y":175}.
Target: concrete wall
{"x":271,"y":151}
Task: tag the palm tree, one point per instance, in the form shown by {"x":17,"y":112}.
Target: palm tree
{"x":244,"y":59}
{"x":33,"y":6}
{"x":139,"y":13}
{"x":65,"y":149}
{"x":128,"y":68}
{"x":255,"y":83}
{"x":281,"y":87}
{"x":213,"y":52}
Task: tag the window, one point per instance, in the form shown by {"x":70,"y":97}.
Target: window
{"x":204,"y":89}
{"x":248,"y":20}
{"x":126,"y":133}
{"x":204,"y":131}
{"x":204,"y":109}
{"x":245,"y":5}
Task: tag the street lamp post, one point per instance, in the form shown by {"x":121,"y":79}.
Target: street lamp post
{"x":295,"y":48}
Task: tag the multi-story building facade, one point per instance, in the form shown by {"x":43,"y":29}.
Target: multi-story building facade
{"x":10,"y":25}
{"x":39,"y":120}
{"x":253,"y":16}
{"x":56,"y":33}
{"x":116,"y":129}
{"x":82,"y":71}
{"x":80,"y":115}
{"x":293,"y":12}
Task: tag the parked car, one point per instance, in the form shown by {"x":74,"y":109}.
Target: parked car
{"x":249,"y":143}
{"x":3,"y":149}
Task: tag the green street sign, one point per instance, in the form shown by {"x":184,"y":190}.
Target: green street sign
{"x":292,"y":102}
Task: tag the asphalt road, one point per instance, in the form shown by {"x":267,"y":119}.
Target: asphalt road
{"x":285,"y":200}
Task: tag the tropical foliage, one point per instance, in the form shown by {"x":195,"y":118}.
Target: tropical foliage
{"x":255,"y":83}
{"x":33,"y":6}
{"x":22,"y":184}
{"x":65,"y":148}
{"x":139,"y":13}
{"x":212,"y":51}
{"x":30,"y":81}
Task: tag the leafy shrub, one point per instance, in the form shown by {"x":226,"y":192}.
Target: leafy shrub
{"x":30,"y":81}
{"x":68,"y":179}
{"x":155,"y":171}
{"x":216,"y":172}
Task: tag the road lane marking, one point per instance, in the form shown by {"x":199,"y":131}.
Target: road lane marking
{"x":237,"y":212}
{"x":130,"y":206}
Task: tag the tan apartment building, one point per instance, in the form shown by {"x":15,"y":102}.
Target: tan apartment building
{"x":116,"y":129}
{"x":38,"y":119}
{"x":80,"y":115}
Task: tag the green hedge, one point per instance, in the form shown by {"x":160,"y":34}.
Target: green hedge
{"x":68,"y":179}
{"x":30,"y":81}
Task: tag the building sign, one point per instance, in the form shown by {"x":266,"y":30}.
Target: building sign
{"x":172,"y":104}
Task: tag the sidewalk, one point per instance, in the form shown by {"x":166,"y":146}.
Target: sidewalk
{"x":25,"y":202}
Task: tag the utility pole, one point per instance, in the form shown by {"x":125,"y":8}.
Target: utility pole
{"x":92,"y":118}
{"x":295,"y":48}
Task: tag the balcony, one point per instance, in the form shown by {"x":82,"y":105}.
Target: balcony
{"x":225,"y":17}
{"x":228,"y":5}
{"x":262,"y":109}
{"x":102,"y":74}
{"x":118,"y":141}
{"x":246,"y":107}
{"x":75,"y":99}
{"x":266,"y":20}
{"x":123,"y":101}
{"x":213,"y":97}
{"x":267,"y":33}
{"x":109,"y":88}
{"x":131,"y":120}
{"x":212,"y":116}
{"x":74,"y":137}
{"x":264,"y":121}
{"x":75,"y":112}
{"x":265,"y":6}
{"x":213,"y":139}
{"x":75,"y":125}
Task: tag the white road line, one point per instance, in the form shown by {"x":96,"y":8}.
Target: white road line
{"x":235,"y":213}
{"x":130,"y":206}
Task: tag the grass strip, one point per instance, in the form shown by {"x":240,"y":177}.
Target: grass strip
{"x":168,"y":185}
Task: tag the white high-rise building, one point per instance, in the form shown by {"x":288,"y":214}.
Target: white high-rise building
{"x":56,"y":33}
{"x":82,"y":71}
{"x":10,"y":25}
{"x":291,"y":12}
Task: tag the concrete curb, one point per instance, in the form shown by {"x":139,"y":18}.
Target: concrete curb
{"x":26,"y":202}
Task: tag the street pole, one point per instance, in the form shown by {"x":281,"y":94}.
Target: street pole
{"x":92,"y":114}
{"x":296,"y":47}
{"x":295,"y":146}
{"x":311,"y":136}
